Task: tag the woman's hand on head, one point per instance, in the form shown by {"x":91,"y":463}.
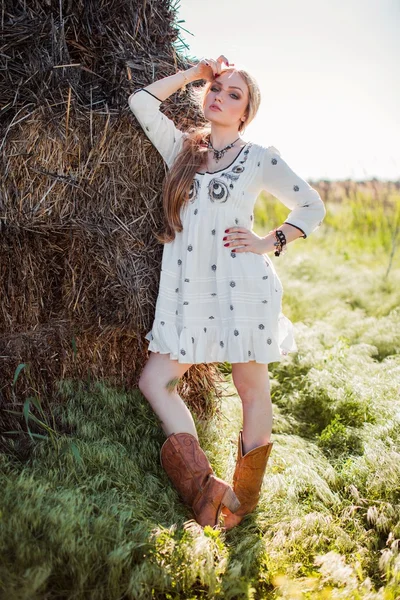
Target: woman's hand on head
{"x":208,"y":68}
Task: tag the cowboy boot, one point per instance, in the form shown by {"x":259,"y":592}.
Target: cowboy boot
{"x":189,"y":470}
{"x":247,"y":481}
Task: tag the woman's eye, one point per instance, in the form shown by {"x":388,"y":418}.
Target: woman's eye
{"x":215,"y":89}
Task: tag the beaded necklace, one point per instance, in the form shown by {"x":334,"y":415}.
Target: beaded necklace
{"x":218,"y":154}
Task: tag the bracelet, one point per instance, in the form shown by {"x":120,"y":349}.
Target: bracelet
{"x":280,"y":243}
{"x":186,"y":80}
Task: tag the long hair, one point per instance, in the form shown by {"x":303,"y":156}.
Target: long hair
{"x":176,"y":185}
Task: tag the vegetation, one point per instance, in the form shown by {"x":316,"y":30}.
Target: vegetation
{"x":91,"y":513}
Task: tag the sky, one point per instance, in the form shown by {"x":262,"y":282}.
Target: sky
{"x":329,"y":74}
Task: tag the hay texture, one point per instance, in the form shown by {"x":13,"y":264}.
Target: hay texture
{"x":80,"y":192}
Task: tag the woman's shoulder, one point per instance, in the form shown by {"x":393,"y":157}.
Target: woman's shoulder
{"x":259,"y":153}
{"x":263,"y":148}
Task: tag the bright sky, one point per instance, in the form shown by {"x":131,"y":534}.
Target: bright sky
{"x":329,"y":74}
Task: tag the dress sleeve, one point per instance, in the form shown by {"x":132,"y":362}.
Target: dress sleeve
{"x":307,"y":207}
{"x":160,"y":130}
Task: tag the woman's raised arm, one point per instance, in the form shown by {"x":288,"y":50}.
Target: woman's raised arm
{"x":163,"y":88}
{"x":206,"y":68}
{"x":145,"y":105}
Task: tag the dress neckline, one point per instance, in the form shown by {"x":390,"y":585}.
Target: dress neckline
{"x":227,"y":167}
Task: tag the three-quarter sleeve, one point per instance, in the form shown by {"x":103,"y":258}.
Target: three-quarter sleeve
{"x":160,"y":130}
{"x":278,"y":179}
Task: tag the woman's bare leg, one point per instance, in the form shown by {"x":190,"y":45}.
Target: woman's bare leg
{"x":252,"y":383}
{"x":157,"y":383}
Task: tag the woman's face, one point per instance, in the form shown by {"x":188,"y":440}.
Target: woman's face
{"x":230,"y":94}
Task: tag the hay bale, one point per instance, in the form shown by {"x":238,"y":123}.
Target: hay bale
{"x":80,"y":196}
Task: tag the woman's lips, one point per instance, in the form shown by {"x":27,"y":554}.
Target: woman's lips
{"x":214,"y":107}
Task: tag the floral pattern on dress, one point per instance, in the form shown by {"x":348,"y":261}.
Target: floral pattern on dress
{"x":236,"y":171}
{"x":218,"y":191}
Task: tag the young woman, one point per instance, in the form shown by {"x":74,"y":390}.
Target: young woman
{"x":219,"y":295}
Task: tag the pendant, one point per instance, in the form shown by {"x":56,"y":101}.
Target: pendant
{"x":218,"y":154}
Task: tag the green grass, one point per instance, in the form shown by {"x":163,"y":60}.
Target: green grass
{"x":100,"y":520}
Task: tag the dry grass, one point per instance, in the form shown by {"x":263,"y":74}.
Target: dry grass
{"x":80,"y":193}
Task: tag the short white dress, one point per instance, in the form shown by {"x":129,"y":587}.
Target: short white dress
{"x":215,"y":305}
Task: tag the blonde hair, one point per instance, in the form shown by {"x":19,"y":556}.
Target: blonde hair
{"x":176,"y":185}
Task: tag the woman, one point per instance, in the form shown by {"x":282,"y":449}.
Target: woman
{"x":219,"y":296}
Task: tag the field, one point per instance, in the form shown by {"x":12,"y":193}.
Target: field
{"x":93,"y":516}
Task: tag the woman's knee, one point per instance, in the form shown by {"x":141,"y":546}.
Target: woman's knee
{"x":150,"y":378}
{"x":148,"y":375}
{"x":251,"y":381}
{"x":160,"y":373}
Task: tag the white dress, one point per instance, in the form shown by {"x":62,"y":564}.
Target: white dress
{"x":215,"y":305}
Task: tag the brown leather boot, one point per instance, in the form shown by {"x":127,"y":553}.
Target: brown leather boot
{"x":247,"y":481}
{"x":189,"y":470}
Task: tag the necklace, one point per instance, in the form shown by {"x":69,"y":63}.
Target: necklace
{"x":218,"y":154}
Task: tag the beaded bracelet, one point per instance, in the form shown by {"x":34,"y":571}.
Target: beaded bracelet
{"x":280,"y":243}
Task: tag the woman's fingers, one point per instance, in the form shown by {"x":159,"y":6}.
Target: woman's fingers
{"x":216,"y":65}
{"x":222,"y":59}
{"x":209,"y":62}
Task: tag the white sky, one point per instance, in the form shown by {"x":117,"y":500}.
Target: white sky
{"x":329,"y":74}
